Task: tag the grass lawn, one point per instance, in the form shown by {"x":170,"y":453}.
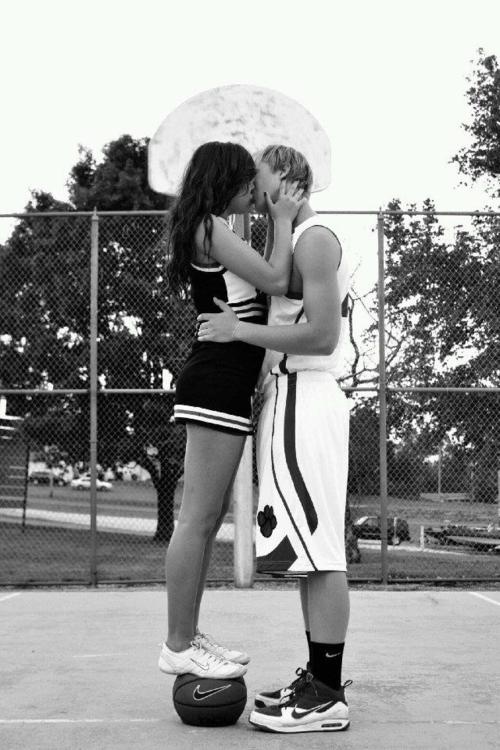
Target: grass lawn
{"x":48,"y":554}
{"x":62,"y":554}
{"x":433,"y":564}
{"x":56,"y":555}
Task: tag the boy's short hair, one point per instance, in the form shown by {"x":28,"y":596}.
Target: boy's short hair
{"x":292,"y":162}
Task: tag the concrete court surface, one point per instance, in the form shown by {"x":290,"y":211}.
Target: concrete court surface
{"x":78,"y":669}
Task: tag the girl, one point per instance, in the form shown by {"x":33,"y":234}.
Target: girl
{"x":214,"y":390}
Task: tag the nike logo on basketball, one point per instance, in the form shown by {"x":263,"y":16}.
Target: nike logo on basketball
{"x":199,"y":695}
{"x":299,"y":713}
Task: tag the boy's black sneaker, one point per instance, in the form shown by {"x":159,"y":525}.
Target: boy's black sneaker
{"x":277,"y":697}
{"x":312,"y":707}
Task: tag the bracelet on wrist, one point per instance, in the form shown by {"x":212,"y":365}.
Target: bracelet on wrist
{"x":234,"y":335}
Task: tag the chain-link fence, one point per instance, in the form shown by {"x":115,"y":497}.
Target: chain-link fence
{"x":91,"y":462}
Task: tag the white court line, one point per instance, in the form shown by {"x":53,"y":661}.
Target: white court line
{"x":9,"y":596}
{"x":486,"y":598}
{"x":79,"y":721}
{"x":100,"y":656}
{"x":434,"y":722}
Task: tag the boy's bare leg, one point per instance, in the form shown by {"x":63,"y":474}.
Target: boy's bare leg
{"x":328,"y":606}
{"x":303,"y":587}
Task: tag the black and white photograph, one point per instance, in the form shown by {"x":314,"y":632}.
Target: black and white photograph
{"x":250,"y":375}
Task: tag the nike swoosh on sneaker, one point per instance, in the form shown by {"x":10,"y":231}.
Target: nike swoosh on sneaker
{"x":299,"y":713}
{"x":200,"y":695}
{"x":330,"y":656}
{"x":201,"y":666}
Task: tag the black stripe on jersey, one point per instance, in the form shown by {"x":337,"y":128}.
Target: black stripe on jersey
{"x":290,"y":515}
{"x":258,"y":315}
{"x":291,"y":455}
{"x":282,"y":364}
{"x":247,"y":301}
{"x":251,"y":311}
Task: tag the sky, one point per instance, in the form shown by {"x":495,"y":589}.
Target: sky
{"x":387,"y":81}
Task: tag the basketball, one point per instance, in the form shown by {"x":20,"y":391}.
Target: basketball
{"x":209,"y":702}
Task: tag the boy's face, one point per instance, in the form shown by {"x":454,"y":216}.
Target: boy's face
{"x":265,"y":181}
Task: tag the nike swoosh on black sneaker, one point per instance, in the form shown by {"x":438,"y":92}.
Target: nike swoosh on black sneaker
{"x":199,"y":695}
{"x":299,"y":713}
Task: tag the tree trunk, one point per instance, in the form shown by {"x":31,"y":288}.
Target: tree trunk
{"x":353,"y":555}
{"x":165,"y":473}
{"x":165,"y":490}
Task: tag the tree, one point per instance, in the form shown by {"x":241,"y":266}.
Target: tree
{"x":442,"y":329}
{"x":443,"y":319}
{"x":481,"y":158}
{"x":157,"y":443}
{"x":143,"y":331}
{"x":118,"y":183}
{"x":364,"y":464}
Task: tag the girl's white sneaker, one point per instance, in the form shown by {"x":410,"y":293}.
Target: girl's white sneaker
{"x":207,"y":642}
{"x":198,"y":661}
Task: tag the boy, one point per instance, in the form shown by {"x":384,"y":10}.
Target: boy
{"x":302,"y":450}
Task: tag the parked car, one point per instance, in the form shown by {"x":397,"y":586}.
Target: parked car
{"x":368,"y":527}
{"x":482,"y":538}
{"x":83,"y":483}
{"x":41,"y":476}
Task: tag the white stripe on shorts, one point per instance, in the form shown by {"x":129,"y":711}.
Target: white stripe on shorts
{"x":210,"y":416}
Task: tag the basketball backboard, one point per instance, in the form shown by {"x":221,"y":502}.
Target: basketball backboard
{"x":251,"y":115}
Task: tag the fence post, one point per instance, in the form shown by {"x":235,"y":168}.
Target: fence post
{"x":242,"y":492}
{"x":242,"y":497}
{"x":382,"y":397}
{"x":94,"y":261}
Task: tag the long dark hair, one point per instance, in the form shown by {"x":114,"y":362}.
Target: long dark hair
{"x":216,"y":173}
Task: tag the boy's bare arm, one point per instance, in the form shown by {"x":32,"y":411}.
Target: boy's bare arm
{"x":317,"y":257}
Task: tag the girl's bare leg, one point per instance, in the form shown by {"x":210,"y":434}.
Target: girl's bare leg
{"x":209,"y":546}
{"x":210,"y":464}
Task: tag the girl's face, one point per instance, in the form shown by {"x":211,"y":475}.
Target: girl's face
{"x":242,"y":203}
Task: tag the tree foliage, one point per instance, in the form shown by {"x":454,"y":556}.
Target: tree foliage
{"x":443,"y":323}
{"x":117,"y":183}
{"x":442,"y":330}
{"x":142,"y":331}
{"x":481,"y":157}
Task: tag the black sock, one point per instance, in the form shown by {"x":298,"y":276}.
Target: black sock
{"x":326,"y":663}
{"x":308,"y":636}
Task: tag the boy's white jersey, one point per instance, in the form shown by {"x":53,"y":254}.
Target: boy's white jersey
{"x":287,"y":310}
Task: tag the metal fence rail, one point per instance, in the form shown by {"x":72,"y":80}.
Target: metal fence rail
{"x":91,"y":343}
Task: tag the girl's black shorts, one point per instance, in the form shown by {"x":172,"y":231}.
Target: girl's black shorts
{"x":216,"y":385}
